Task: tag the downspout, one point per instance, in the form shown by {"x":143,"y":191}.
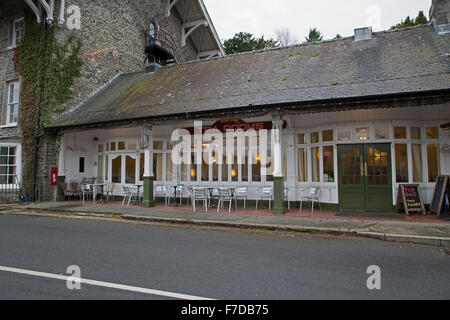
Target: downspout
{"x":38,"y":122}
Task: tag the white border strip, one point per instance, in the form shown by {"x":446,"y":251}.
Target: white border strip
{"x":104,"y":284}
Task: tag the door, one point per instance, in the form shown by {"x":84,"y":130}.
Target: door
{"x":365,"y":178}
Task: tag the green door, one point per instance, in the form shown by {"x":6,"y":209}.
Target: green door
{"x":365,"y":178}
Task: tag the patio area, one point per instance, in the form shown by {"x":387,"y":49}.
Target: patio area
{"x":262,"y":211}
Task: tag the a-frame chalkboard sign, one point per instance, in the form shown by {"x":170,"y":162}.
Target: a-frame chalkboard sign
{"x":410,"y":199}
{"x":439,"y":194}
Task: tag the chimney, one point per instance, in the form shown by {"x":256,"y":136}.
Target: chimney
{"x":363,"y":34}
{"x":440,"y":15}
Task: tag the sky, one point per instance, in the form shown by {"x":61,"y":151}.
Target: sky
{"x":331,"y":17}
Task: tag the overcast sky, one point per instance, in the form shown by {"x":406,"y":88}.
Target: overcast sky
{"x":263,"y":17}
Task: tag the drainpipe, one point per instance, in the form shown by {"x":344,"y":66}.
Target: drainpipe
{"x":36,"y":134}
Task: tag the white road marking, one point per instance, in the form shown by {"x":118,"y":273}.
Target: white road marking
{"x":105,"y":284}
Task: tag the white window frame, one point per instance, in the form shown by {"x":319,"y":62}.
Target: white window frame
{"x":18,"y":162}
{"x":14,"y":41}
{"x":13,"y":103}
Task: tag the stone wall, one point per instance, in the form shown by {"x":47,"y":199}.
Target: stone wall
{"x":112,"y":36}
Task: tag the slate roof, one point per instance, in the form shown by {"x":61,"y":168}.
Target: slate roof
{"x":393,"y":62}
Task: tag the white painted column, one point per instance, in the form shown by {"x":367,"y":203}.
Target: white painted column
{"x":277,"y":125}
{"x":148,"y":163}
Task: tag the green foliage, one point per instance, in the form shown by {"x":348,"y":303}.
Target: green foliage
{"x":314,"y":36}
{"x":47,"y":69}
{"x":420,"y":19}
{"x":246,"y":42}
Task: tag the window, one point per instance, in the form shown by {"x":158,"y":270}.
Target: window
{"x":141,"y":166}
{"x":432,"y":133}
{"x":344,"y":134}
{"x":400,"y":132}
{"x":381,"y":133}
{"x":315,"y":137}
{"x":401,"y":163}
{"x":433,"y":161}
{"x":81,"y":165}
{"x":116,"y":169}
{"x":12,"y":111}
{"x":152,"y":30}
{"x":328,"y":164}
{"x":327,"y":136}
{"x":158,"y":166}
{"x":8,"y":165}
{"x":18,"y":31}
{"x":168,"y":167}
{"x":362,"y":133}
{"x":302,"y":165}
{"x":315,"y":156}
{"x":417,"y":162}
{"x":415,"y":133}
{"x":301,"y":139}
{"x":130,"y":170}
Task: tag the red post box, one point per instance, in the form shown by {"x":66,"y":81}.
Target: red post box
{"x":53,"y":176}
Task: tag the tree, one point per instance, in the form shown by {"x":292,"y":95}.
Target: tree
{"x":314,"y":36}
{"x":285,"y":37}
{"x":420,"y":19}
{"x":246,"y":42}
{"x":338,"y":37}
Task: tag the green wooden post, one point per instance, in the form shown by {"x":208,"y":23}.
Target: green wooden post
{"x":278,"y":196}
{"x":148,"y":200}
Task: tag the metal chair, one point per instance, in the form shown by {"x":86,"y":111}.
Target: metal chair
{"x":311,"y":194}
{"x":286,"y":197}
{"x":87,"y":191}
{"x":200,"y":194}
{"x":214,"y":195}
{"x":265,"y":193}
{"x":175,"y":193}
{"x":109,"y":190}
{"x":240,"y":194}
{"x":130,"y":193}
{"x":161,"y":191}
{"x":74,"y":189}
{"x":225,"y":194}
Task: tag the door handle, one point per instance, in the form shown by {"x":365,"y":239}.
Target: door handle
{"x":365,"y":168}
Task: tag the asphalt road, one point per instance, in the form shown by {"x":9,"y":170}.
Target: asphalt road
{"x":209,"y":263}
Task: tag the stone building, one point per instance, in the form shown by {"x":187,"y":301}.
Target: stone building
{"x":115,"y":39}
{"x":356,"y":117}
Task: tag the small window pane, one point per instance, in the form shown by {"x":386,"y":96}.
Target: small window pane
{"x":157,"y":145}
{"x":432,"y":133}
{"x":130,"y":170}
{"x":116,"y":169}
{"x":81,"y":165}
{"x":132,"y":145}
{"x":302,"y":165}
{"x":301,"y":139}
{"x":400,"y":132}
{"x":433,"y":161}
{"x":314,"y":137}
{"x":362,"y":133}
{"x":328,"y":164}
{"x":315,"y":156}
{"x":100,"y":148}
{"x":100,"y":167}
{"x":327,"y":135}
{"x":158,"y":166}
{"x":121,"y":145}
{"x":168,"y":167}
{"x":415,"y":133}
{"x":344,"y":134}
{"x":401,"y":163}
{"x":113,"y":146}
{"x":382,"y":133}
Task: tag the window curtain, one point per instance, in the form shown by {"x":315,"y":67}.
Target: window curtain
{"x":302,"y":165}
{"x":315,"y":155}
